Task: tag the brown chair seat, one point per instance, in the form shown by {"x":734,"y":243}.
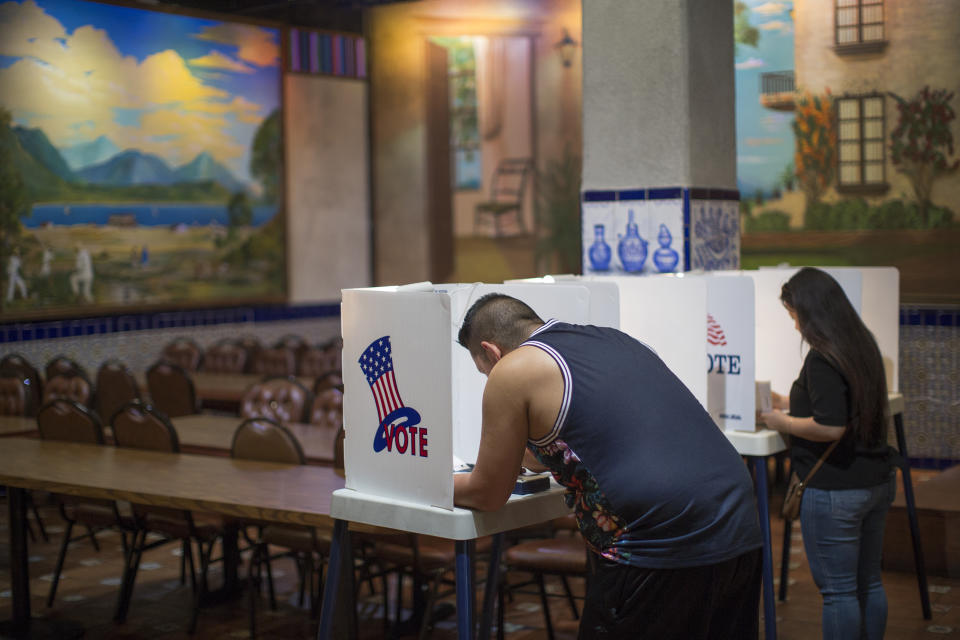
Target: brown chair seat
{"x":563,"y":554}
{"x":296,"y":538}
{"x":205,"y":527}
{"x":95,"y":514}
{"x":434,"y":553}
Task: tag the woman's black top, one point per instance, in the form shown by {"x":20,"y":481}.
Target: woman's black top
{"x":821,"y":391}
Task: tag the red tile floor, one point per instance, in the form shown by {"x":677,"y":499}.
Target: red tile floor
{"x":161,"y":606}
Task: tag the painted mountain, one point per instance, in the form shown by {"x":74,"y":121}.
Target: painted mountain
{"x":129,"y":168}
{"x":203,"y":168}
{"x":90,"y":153}
{"x":36,"y":143}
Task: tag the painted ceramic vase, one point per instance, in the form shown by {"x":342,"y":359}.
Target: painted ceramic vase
{"x":665,"y":258}
{"x":632,"y":248}
{"x":599,"y":253}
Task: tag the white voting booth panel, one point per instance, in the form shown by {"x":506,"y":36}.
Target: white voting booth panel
{"x":412,"y":396}
{"x":873,"y":292}
{"x":731,"y":352}
{"x":663,"y":312}
{"x":669,"y":314}
{"x":604,"y":297}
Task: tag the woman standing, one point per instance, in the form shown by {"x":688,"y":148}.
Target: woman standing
{"x":840,"y":395}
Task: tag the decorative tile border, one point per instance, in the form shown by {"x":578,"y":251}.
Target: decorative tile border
{"x":13,"y":332}
{"x":679,"y":229}
{"x":930,"y":383}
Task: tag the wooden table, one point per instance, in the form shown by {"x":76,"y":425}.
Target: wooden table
{"x":239,"y":488}
{"x":17,"y":426}
{"x":208,"y":433}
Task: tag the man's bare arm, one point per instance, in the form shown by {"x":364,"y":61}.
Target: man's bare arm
{"x":502,"y":440}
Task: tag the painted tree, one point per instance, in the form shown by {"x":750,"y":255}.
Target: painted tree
{"x":815,"y":131}
{"x":239,"y":210}
{"x":922,"y":143}
{"x":266,"y":156}
{"x":14,"y":200}
{"x":743,"y":31}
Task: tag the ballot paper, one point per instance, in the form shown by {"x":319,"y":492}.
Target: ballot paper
{"x":764,"y":397}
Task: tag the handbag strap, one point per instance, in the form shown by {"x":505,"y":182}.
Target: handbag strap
{"x":823,"y":458}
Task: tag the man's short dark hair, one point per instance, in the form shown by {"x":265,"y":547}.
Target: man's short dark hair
{"x":500,"y":319}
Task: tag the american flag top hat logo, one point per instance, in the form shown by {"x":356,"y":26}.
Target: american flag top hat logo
{"x":397,"y":430}
{"x":715,"y":335}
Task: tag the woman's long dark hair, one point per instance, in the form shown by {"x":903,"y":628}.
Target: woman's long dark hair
{"x":830,"y":324}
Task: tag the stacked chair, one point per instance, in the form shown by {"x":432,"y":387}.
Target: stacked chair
{"x":225,"y":356}
{"x":184,"y":352}
{"x":327,"y":408}
{"x":15,"y":394}
{"x":281,"y":399}
{"x":14,"y":362}
{"x":138,"y":426}
{"x":274,"y":361}
{"x":65,"y":378}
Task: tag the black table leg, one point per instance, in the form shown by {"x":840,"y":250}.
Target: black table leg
{"x":912,"y":516}
{"x":22,"y":625}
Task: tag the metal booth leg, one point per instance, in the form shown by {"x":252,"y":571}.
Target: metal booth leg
{"x":759,"y":464}
{"x":465,"y":595}
{"x":338,"y":606}
{"x":912,"y":516}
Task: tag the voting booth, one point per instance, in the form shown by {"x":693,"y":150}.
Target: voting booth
{"x":689,"y":320}
{"x":873,"y":291}
{"x":412,"y":395}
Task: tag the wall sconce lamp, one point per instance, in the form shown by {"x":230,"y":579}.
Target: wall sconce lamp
{"x":567,"y":46}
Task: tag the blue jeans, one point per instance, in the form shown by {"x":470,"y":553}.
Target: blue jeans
{"x":843,"y":540}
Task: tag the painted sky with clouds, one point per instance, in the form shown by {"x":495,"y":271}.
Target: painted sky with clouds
{"x":764,"y":137}
{"x":165,"y":84}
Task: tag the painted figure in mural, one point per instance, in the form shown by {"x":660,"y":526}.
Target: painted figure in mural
{"x":144,"y":256}
{"x":14,"y":280}
{"x":839,"y":397}
{"x":606,"y":416}
{"x":46,"y":259}
{"x":81,"y":280}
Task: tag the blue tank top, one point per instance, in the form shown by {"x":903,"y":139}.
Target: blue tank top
{"x":653,"y":481}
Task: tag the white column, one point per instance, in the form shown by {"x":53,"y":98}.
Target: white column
{"x":658,"y":112}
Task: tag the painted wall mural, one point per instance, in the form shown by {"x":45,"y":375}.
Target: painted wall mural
{"x":846,"y":137}
{"x":140,"y":158}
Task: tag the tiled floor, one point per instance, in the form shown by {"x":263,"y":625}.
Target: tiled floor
{"x":161,"y":606}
